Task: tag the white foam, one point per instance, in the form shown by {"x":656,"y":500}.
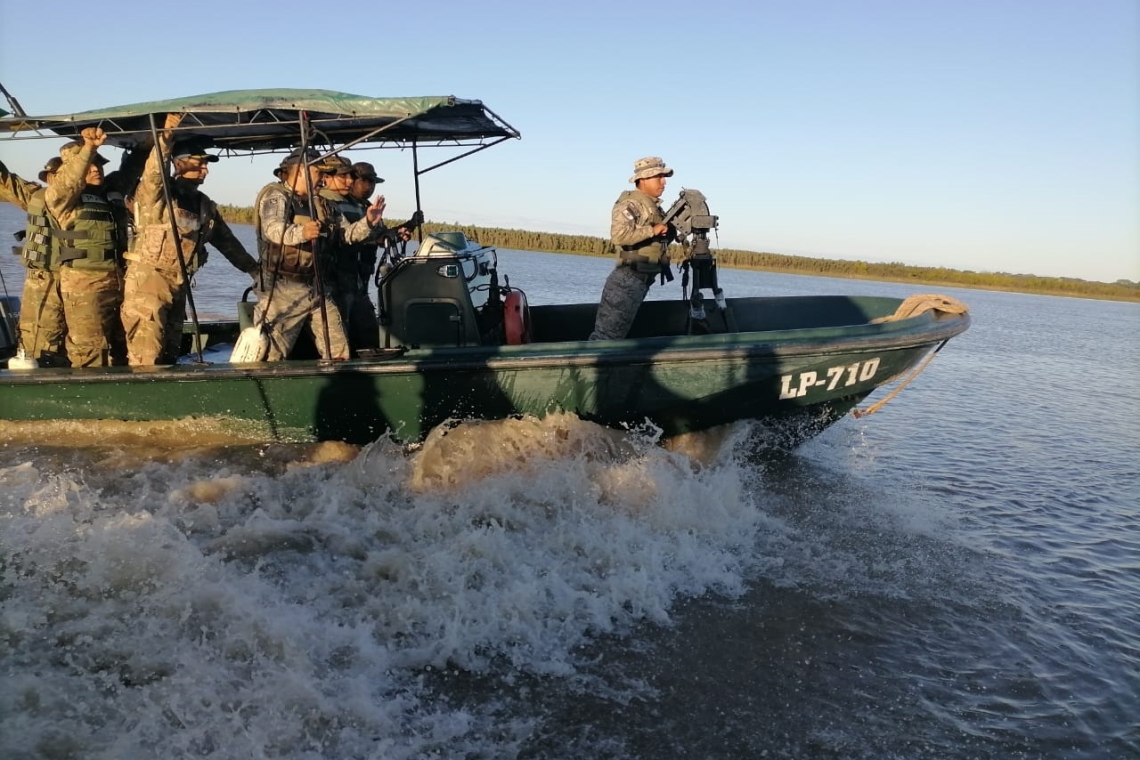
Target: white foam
{"x":202,"y":604}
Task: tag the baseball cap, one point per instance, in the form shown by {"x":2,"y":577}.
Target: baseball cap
{"x":51,"y":167}
{"x":192,"y":147}
{"x":365,"y":170}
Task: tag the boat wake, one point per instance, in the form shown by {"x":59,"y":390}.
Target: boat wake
{"x":232,"y":599}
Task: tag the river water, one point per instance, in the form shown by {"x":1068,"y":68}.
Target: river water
{"x":956,"y":576}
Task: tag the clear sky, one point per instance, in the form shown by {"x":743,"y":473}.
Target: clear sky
{"x":990,"y":135}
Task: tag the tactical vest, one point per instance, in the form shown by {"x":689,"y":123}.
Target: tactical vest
{"x":348,"y":256}
{"x":651,"y":255}
{"x":294,"y":262}
{"x":37,"y":250}
{"x":97,"y":234}
{"x":194,"y":217}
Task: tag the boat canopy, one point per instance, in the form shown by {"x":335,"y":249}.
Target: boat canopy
{"x":267,"y":120}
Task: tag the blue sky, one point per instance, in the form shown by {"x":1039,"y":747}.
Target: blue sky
{"x":995,"y":136}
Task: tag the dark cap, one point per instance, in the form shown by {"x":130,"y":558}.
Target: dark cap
{"x":51,"y":167}
{"x":192,"y":147}
{"x":295,"y":158}
{"x":365,"y":170}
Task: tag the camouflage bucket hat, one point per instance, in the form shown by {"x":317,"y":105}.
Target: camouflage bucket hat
{"x":650,"y":166}
{"x":51,"y":167}
{"x":71,"y":150}
{"x":335,"y":165}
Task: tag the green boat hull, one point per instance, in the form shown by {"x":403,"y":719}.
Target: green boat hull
{"x":800,"y":363}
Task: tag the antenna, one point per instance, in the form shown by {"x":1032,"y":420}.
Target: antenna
{"x":17,"y":109}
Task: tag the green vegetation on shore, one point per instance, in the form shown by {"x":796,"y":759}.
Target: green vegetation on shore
{"x":586,"y":245}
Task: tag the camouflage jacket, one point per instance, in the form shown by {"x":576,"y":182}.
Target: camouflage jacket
{"x":197,"y":219}
{"x":631,"y":229}
{"x":16,"y":189}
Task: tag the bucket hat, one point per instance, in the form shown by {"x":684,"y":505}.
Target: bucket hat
{"x":650,"y":166}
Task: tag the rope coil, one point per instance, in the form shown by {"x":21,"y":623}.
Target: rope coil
{"x":912,"y":307}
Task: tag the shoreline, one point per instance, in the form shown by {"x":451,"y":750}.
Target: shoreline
{"x":586,"y":245}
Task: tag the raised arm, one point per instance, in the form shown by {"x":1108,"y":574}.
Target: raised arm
{"x":15,"y":189}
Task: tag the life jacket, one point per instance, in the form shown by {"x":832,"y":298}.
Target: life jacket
{"x":294,"y":262}
{"x":37,"y":250}
{"x":194,"y":216}
{"x":96,"y":237}
{"x":650,"y":256}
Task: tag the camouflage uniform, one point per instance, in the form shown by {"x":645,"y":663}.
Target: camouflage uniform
{"x":643,"y":256}
{"x":92,"y":236}
{"x":14,"y":188}
{"x":42,"y":329}
{"x":287,"y":295}
{"x":154,"y":294}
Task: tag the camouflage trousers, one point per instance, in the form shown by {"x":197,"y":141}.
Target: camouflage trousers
{"x":91,"y":301}
{"x":154,"y":308}
{"x":622,"y":295}
{"x":291,"y":306}
{"x":42,"y":326}
{"x":358,"y":313}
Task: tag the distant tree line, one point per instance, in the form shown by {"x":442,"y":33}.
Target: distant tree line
{"x":588,"y":245}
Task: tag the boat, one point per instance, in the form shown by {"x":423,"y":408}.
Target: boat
{"x":459,"y":341}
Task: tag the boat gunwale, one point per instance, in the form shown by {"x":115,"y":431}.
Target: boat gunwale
{"x":916,"y":332}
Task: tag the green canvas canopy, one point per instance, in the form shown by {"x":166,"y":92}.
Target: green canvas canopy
{"x":265,"y":120}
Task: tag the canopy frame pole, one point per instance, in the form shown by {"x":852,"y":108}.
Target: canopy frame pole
{"x":471,"y":152}
{"x":318,"y":275}
{"x":416,"y":177}
{"x":167,"y":197}
{"x":368,"y":136}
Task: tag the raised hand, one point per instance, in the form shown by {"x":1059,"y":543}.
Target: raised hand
{"x":375,"y":212}
{"x":93,"y":136}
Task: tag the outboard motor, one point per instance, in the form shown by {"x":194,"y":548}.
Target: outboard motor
{"x":444,"y":295}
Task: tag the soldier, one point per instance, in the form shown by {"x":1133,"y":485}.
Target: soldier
{"x":91,"y":237}
{"x":349,"y":272}
{"x":289,"y":242}
{"x":355,"y":265}
{"x":155,"y":291}
{"x":638,"y":229}
{"x":42,"y":329}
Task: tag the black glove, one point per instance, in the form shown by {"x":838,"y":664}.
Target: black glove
{"x":416,"y":220}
